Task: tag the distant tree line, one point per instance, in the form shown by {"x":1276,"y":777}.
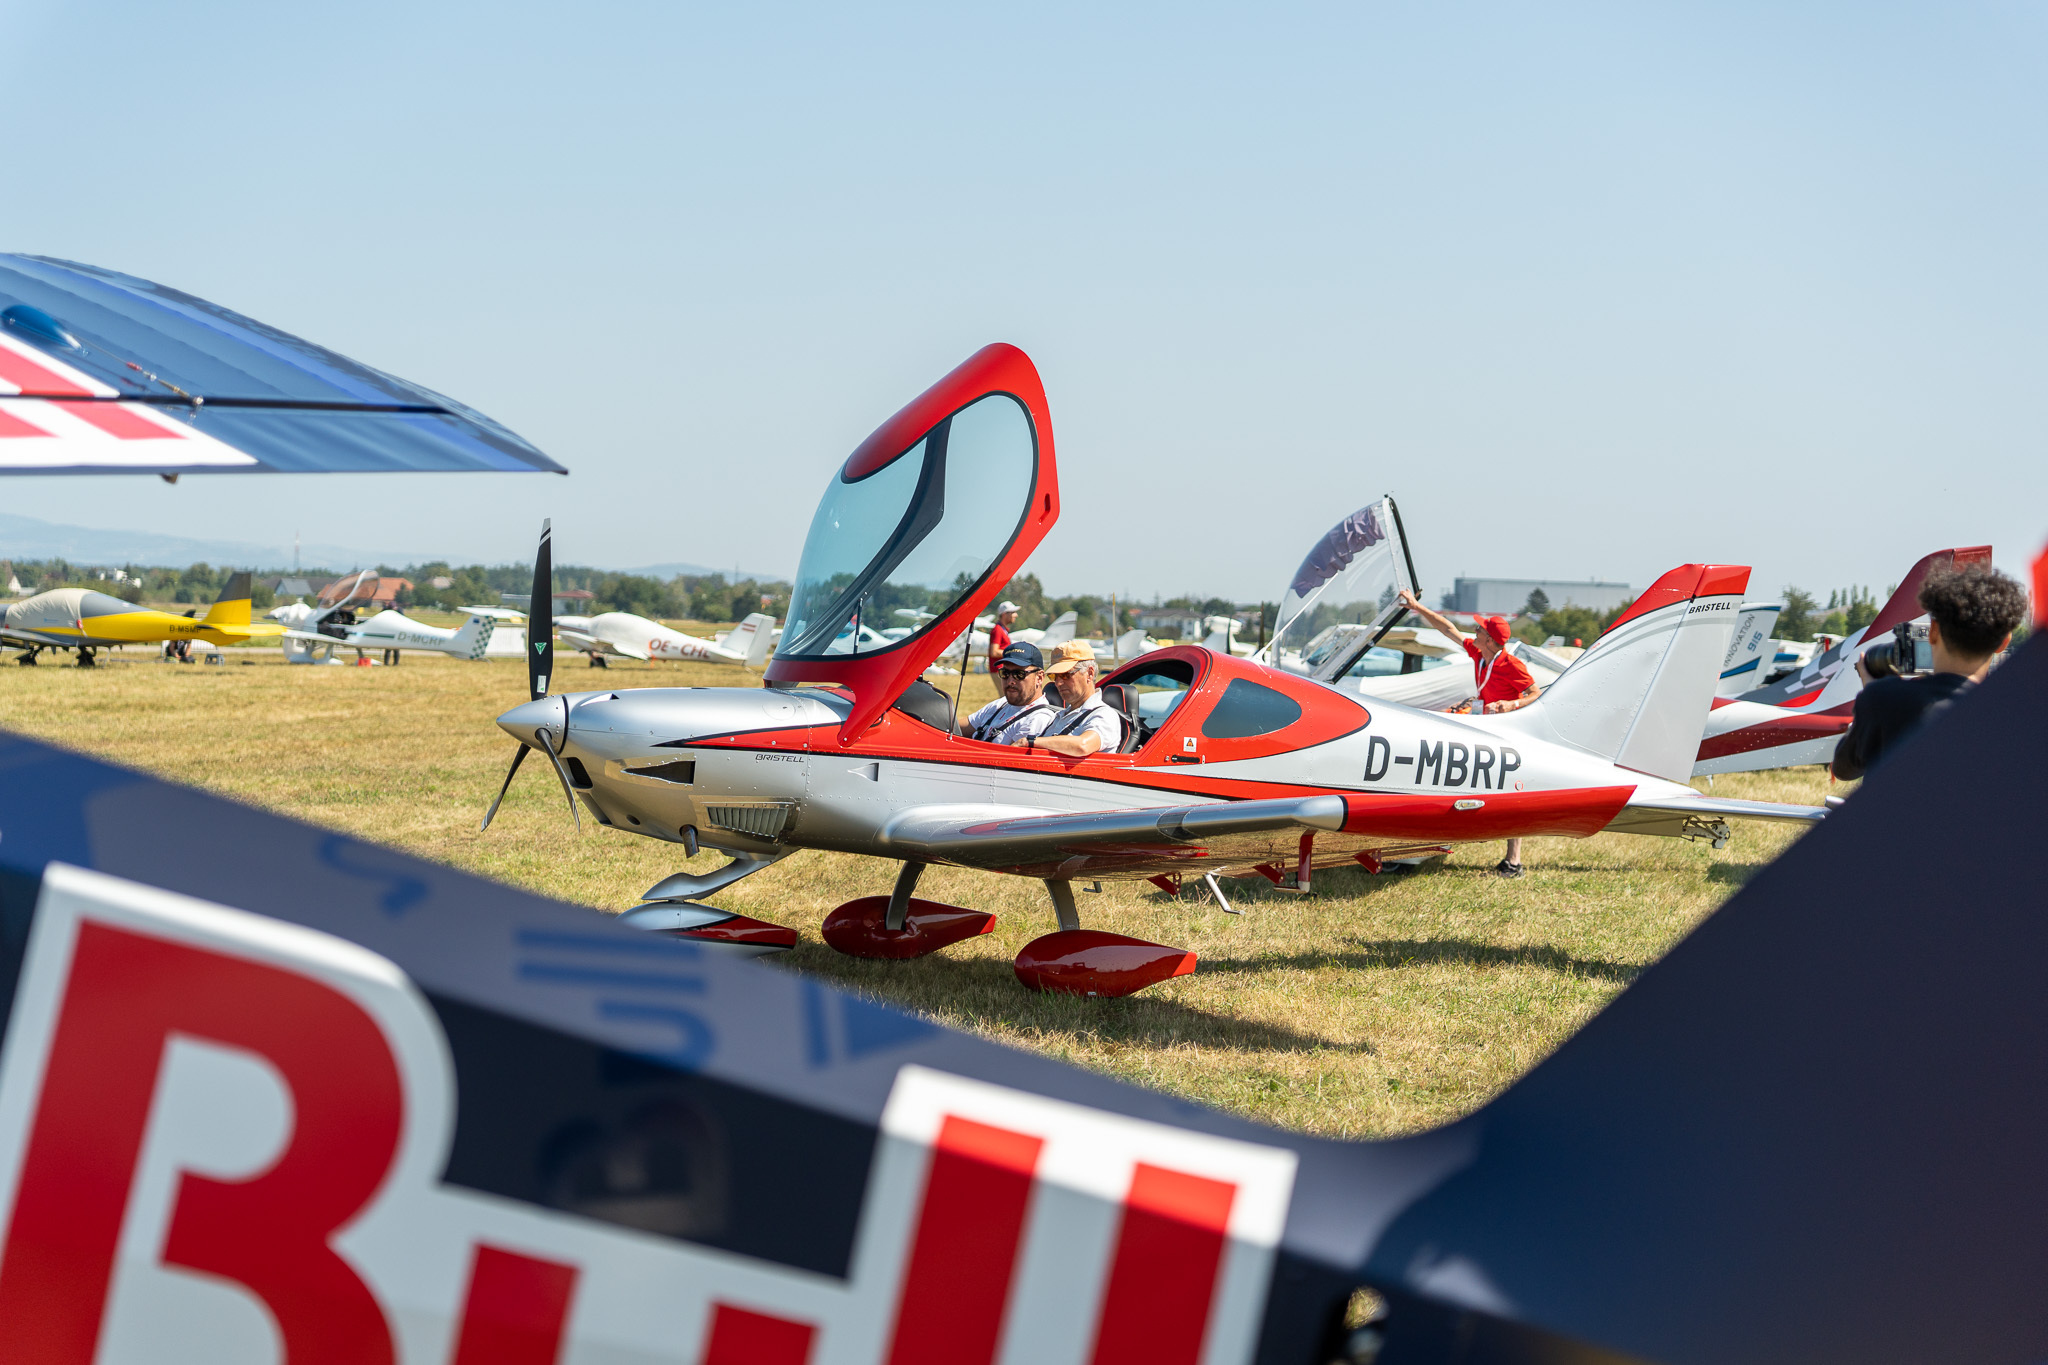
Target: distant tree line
{"x":689,"y":597}
{"x":715,"y":597}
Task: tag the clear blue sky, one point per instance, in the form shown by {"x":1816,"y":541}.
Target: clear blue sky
{"x":1593,"y":289}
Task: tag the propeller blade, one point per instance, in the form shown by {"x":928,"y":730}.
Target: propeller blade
{"x":540,"y":619}
{"x":510,"y":773}
{"x":563,"y":773}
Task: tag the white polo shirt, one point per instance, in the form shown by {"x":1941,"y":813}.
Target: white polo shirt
{"x":1001,"y":723}
{"x":1092,"y":715}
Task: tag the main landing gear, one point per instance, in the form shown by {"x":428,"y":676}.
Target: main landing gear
{"x":672,"y":908}
{"x":1071,"y":960}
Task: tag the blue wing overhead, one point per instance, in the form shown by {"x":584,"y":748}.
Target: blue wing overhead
{"x":290,"y":405}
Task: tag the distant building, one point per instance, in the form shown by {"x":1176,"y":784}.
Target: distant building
{"x":440,"y":582}
{"x":1507,"y":596}
{"x":376,"y":593}
{"x":14,"y":588}
{"x":292,"y":587}
{"x":1178,"y":622}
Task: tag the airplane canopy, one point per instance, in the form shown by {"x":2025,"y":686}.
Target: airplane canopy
{"x":931,"y":515}
{"x":102,"y":372}
{"x":1344,"y":597}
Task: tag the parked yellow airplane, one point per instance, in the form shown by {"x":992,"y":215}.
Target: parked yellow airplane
{"x":83,"y":620}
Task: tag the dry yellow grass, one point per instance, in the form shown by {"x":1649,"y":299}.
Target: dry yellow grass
{"x":1381,"y":1005}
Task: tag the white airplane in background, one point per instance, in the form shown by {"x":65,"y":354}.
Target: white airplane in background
{"x":621,"y":634}
{"x":313,"y":634}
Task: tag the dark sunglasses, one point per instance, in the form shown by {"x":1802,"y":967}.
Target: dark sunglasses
{"x":1015,"y":672}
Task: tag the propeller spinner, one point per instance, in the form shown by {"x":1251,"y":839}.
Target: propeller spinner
{"x":540,"y":662}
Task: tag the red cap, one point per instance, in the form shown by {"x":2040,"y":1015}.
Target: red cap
{"x":1496,"y":626}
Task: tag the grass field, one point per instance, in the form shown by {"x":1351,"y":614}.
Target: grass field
{"x":1381,"y":1005}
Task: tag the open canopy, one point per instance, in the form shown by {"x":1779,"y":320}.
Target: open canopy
{"x":1346,"y":594}
{"x":103,"y":373}
{"x":931,"y":516}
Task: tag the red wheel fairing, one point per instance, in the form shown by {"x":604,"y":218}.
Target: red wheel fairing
{"x":1091,"y":962}
{"x":857,"y":928}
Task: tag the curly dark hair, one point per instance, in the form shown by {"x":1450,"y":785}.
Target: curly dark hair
{"x":1976,"y":605}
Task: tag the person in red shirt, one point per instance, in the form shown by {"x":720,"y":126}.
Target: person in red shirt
{"x":1504,"y":683}
{"x":999,"y":633}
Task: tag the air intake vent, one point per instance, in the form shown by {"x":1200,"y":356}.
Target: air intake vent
{"x":683,"y":771}
{"x":764,"y":821}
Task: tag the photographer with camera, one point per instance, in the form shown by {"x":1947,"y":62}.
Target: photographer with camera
{"x":1972,"y":611}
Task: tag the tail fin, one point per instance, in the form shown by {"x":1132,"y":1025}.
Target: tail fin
{"x":1902,"y":606}
{"x":1904,"y":603}
{"x":1749,"y":648}
{"x":474,"y":638}
{"x":1640,"y":696}
{"x":1060,"y":631}
{"x":751,"y":637}
{"x":232,"y":607}
{"x":1220,"y":630}
{"x":1130,"y":644}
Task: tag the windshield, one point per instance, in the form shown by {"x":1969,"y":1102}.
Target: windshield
{"x":918,"y":534}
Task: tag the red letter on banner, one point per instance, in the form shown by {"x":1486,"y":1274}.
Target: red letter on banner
{"x":738,"y":1337}
{"x":957,"y":1282}
{"x":516,"y":1310}
{"x":1156,"y":1308}
{"x":127,"y":994}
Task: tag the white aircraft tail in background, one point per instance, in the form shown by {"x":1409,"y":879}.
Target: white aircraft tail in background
{"x":1640,"y":696}
{"x":750,"y":640}
{"x":1222,"y":634}
{"x":1750,"y":650}
{"x":1047,"y":638}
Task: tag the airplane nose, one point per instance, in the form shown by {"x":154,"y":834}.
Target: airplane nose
{"x":523,"y":721}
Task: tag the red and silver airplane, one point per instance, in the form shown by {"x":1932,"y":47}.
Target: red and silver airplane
{"x":1228,"y":767}
{"x":1801,"y":718}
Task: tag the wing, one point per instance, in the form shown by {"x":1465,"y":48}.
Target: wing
{"x":1112,"y":843}
{"x":104,"y":373}
{"x":30,"y":637}
{"x":1244,"y":834}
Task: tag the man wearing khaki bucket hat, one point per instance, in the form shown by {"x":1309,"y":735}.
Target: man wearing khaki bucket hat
{"x":1087,"y":725}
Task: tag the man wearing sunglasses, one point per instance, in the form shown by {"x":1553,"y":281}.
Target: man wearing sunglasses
{"x":1023,"y":711}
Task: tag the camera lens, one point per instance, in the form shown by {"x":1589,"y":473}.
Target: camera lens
{"x":1881,"y":661}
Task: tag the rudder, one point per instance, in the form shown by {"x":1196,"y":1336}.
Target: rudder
{"x":474,"y":638}
{"x":751,"y":637}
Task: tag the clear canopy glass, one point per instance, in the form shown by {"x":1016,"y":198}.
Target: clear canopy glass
{"x":918,"y":533}
{"x":1345,"y":591}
